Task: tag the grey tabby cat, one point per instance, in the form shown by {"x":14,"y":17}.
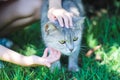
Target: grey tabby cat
{"x":66,"y":40}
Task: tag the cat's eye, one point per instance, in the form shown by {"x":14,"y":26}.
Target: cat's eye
{"x":75,"y":38}
{"x":62,"y":41}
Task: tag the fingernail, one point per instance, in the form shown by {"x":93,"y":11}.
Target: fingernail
{"x":67,"y":26}
{"x":62,"y":25}
{"x":49,"y":65}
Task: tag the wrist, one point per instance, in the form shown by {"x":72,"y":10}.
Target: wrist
{"x":55,"y":4}
{"x":55,"y":7}
{"x":37,"y":60}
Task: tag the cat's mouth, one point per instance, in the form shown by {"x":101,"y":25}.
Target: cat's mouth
{"x":66,"y":52}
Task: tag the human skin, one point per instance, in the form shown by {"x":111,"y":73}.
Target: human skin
{"x":33,"y":60}
{"x":17,"y":14}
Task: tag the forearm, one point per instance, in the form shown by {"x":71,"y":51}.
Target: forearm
{"x":14,"y":57}
{"x":55,"y":4}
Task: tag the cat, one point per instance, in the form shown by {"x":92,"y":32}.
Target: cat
{"x":65,"y":40}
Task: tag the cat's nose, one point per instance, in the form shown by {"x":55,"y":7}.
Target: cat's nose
{"x":71,"y":50}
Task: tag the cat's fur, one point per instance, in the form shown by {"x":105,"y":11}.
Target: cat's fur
{"x":66,"y":40}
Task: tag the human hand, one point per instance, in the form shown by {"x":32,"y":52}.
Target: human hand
{"x":64,"y":18}
{"x":47,"y":59}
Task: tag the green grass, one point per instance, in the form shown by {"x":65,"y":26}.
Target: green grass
{"x":104,"y":30}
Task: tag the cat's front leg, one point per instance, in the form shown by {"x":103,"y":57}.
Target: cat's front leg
{"x":73,"y":62}
{"x":55,"y":65}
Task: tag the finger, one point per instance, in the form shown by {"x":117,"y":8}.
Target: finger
{"x":70,"y":20}
{"x":51,"y":17}
{"x":59,"y":54}
{"x":55,"y":53}
{"x":51,"y":51}
{"x":45,"y":52}
{"x":60,"y":20}
{"x":66,"y":21}
{"x":48,"y":65}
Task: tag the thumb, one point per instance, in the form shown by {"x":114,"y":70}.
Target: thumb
{"x":48,"y":65}
{"x":45,"y":52}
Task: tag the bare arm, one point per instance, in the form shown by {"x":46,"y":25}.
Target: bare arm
{"x":16,"y":58}
{"x":16,"y":14}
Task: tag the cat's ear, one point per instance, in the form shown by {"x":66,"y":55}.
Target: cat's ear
{"x":78,"y":22}
{"x":79,"y":19}
{"x":49,"y":27}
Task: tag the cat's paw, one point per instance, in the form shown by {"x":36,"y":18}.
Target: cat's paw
{"x":73,"y":68}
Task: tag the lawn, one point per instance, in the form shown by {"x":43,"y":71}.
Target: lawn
{"x":102,"y":29}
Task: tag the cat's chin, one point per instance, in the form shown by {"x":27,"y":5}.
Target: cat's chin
{"x":67,"y":54}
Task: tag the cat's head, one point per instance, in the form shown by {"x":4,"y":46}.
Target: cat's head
{"x":66,"y":40}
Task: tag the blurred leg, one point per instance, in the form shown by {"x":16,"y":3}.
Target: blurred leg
{"x":17,"y":14}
